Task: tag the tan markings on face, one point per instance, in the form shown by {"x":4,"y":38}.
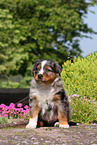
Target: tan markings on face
{"x":46,"y":71}
{"x":49,"y":77}
{"x":36,"y":76}
{"x":38,"y":66}
{"x":47,"y":68}
{"x":36,"y":73}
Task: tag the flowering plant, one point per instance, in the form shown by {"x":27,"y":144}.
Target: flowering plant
{"x":13,"y":112}
{"x":84,"y":110}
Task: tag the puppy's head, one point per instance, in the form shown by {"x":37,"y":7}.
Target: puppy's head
{"x":45,"y":71}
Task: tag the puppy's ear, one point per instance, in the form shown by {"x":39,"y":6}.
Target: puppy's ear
{"x":38,"y":61}
{"x":57,"y":68}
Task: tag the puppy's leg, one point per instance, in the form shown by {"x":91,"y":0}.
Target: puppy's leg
{"x":34,"y":109}
{"x":63,"y":120}
{"x":63,"y":111}
{"x":63,"y":123}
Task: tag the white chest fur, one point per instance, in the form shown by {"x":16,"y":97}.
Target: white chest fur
{"x":43,"y":93}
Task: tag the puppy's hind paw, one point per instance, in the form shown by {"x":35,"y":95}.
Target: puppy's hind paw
{"x":63,"y":125}
{"x":56,"y":124}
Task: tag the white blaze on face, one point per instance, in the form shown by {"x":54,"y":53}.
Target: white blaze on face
{"x":42,"y":66}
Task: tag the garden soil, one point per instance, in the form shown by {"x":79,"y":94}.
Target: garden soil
{"x":16,"y":134}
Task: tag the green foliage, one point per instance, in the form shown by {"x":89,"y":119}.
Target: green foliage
{"x":9,"y":84}
{"x":31,"y":29}
{"x":5,"y":120}
{"x":16,"y":82}
{"x":80,"y":78}
{"x":83,"y":110}
{"x":25,"y":82}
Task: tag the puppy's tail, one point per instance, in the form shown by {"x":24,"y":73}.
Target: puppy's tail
{"x":71,"y":123}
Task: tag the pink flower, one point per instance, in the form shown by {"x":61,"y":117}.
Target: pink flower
{"x":2,"y":106}
{"x":19,"y":105}
{"x":0,"y":110}
{"x":26,"y":107}
{"x":4,"y":112}
{"x":16,"y":110}
{"x":11,"y":111}
{"x":23,"y":111}
{"x":74,"y":95}
{"x":6,"y":107}
{"x":20,"y":114}
{"x":5,"y":115}
{"x":12,"y":106}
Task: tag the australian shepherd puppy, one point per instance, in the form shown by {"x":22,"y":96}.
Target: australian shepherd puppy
{"x":48,"y":100}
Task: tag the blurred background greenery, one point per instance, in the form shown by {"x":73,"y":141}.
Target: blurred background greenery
{"x":31,"y":29}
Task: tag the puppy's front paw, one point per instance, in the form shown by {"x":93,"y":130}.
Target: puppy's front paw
{"x":31,"y":126}
{"x":32,"y":123}
{"x":63,"y":125}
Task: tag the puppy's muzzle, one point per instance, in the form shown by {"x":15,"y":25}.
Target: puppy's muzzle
{"x":40,"y":76}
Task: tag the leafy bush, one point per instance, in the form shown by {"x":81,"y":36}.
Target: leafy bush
{"x":80,"y":78}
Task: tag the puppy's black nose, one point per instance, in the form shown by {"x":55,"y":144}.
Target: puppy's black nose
{"x":40,"y":76}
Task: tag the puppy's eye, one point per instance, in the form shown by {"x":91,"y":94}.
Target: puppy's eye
{"x":37,"y":69}
{"x":48,"y":69}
